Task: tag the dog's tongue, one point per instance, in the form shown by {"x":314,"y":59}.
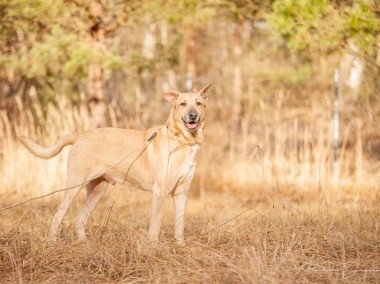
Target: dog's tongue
{"x":191,"y":125}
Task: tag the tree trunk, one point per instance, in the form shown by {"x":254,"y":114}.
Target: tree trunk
{"x":352,"y":69}
{"x":190,"y":58}
{"x":96,"y":100}
{"x":236,"y":107}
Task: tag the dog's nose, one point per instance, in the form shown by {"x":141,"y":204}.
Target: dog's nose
{"x":193,"y":115}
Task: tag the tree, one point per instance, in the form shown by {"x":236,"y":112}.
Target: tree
{"x":325,"y":27}
{"x":54,"y":47}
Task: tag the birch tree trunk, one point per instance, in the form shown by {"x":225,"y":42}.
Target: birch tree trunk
{"x":352,"y":69}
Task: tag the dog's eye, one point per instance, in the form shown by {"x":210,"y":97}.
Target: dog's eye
{"x":199,"y":104}
{"x":183,"y":104}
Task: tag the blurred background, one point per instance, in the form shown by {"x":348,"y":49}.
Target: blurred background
{"x":70,"y":65}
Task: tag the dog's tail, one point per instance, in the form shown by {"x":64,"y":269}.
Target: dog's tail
{"x":51,"y":151}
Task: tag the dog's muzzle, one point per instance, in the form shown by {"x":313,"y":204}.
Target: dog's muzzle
{"x":191,"y":121}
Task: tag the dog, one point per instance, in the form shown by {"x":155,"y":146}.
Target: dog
{"x":159,"y":159}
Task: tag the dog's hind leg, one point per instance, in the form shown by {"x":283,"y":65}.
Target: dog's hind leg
{"x":95,"y":191}
{"x":68,"y":198}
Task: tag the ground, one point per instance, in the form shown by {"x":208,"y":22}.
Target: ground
{"x":249,"y":235}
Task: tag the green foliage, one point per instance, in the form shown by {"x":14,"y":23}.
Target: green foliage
{"x":183,"y":12}
{"x":303,"y":24}
{"x":236,"y":10}
{"x":49,"y":43}
{"x":322,"y":26}
{"x":362,"y":25}
{"x":36,"y":37}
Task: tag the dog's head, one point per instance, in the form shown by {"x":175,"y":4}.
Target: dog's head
{"x":189,"y":108}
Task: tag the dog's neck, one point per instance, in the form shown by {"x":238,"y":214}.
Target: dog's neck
{"x":179,"y":132}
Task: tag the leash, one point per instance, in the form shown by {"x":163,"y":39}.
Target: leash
{"x":147,"y":141}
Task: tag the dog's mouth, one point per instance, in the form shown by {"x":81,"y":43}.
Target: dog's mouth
{"x":191,"y":125}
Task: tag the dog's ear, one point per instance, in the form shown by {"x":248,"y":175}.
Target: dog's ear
{"x":204,"y":90}
{"x":171,"y":96}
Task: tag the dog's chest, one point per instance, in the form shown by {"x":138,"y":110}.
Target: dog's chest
{"x":187,"y":168}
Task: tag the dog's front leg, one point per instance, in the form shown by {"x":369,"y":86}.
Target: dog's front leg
{"x":157,"y":212}
{"x":179,"y":203}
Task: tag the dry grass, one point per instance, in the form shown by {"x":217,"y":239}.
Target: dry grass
{"x":300,"y":237}
{"x":261,"y":215}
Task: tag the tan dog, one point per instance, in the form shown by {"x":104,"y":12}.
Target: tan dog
{"x":164,"y":164}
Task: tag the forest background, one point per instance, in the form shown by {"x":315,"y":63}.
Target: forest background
{"x":271,"y":64}
{"x":68,"y":65}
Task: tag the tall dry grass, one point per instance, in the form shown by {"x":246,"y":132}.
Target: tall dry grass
{"x":268,"y":212}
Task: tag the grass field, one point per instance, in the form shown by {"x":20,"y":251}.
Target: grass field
{"x":288,"y":237}
{"x":264,"y":219}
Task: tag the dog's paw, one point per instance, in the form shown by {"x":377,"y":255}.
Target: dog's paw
{"x":81,"y":236}
{"x":180,"y":243}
